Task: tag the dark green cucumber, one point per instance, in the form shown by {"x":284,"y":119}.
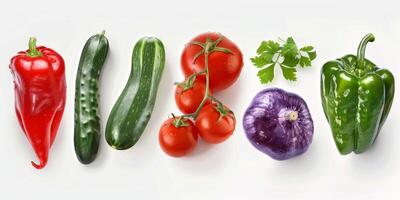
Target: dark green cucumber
{"x":87,"y":117}
{"x":133,"y":109}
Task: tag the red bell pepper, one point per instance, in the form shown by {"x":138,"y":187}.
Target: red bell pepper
{"x":40,"y":94}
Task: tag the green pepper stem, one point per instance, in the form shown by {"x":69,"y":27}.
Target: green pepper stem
{"x":361,"y":50}
{"x":33,"y":51}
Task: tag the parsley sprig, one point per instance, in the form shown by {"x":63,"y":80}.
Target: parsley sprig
{"x":283,"y":54}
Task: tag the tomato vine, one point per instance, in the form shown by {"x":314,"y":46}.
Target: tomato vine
{"x":208,"y":47}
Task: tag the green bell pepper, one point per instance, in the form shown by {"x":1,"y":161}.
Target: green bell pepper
{"x":356,"y":98}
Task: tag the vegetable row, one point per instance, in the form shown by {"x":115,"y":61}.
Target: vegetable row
{"x":356,"y":98}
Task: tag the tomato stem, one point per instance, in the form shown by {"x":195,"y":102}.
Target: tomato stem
{"x":189,"y":82}
{"x":223,"y":111}
{"x":198,"y":73}
{"x":207,"y":48}
{"x":179,"y":121}
{"x":207,"y":93}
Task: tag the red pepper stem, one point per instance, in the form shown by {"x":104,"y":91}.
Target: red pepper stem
{"x":33,"y":51}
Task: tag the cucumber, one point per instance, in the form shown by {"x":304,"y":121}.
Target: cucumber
{"x":132,"y":111}
{"x":87,"y":118}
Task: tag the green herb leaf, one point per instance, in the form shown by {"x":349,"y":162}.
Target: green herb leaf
{"x":289,"y":73}
{"x":290,"y":61}
{"x":310,"y":51}
{"x":289,"y":48}
{"x":267,"y":57}
{"x":290,"y":57}
{"x":312,"y":55}
{"x":267,"y":74}
{"x":273,"y":47}
{"x":305,"y":61}
{"x":258,"y":61}
{"x":307,"y":49}
{"x":263,"y":47}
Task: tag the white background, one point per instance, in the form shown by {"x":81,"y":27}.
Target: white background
{"x":234,"y":169}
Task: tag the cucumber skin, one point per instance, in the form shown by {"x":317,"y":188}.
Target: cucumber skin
{"x":87,"y":117}
{"x":132,"y":111}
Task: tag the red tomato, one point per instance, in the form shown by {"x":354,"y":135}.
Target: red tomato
{"x":180,"y":141}
{"x":211,"y":127}
{"x":224,"y":68}
{"x":189,"y":100}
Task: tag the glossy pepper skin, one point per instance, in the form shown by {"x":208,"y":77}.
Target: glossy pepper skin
{"x":356,"y":97}
{"x":40,"y":93}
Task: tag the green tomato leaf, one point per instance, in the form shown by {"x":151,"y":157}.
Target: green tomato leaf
{"x":266,"y":75}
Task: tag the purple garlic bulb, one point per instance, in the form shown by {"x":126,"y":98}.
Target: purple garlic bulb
{"x":279,"y":124}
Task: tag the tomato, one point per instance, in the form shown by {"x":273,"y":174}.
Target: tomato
{"x":224,"y":68}
{"x":180,"y":141}
{"x":189,"y":100}
{"x":211,"y":127}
